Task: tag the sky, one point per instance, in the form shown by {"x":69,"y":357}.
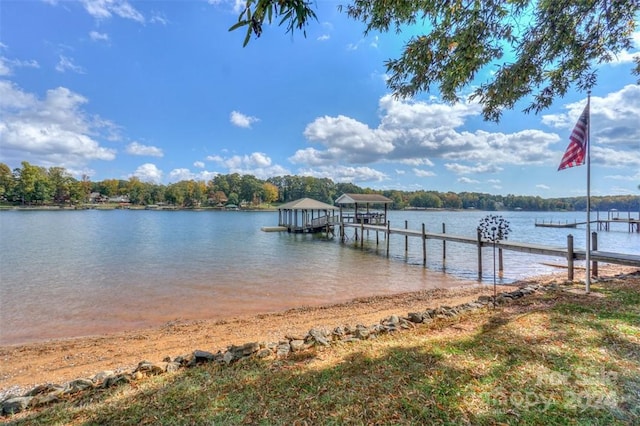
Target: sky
{"x":161,"y":90}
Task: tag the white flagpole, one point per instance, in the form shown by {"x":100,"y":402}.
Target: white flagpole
{"x":587,"y":280}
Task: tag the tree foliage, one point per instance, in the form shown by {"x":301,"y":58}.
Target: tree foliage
{"x":533,"y":49}
{"x":31,"y":184}
{"x":295,"y":13}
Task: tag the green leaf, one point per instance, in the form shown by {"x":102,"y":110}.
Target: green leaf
{"x":247,"y":38}
{"x":238,"y":25}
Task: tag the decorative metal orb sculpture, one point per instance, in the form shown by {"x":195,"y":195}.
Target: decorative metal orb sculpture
{"x":494,"y":228}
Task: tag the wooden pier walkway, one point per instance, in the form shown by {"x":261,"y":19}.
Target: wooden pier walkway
{"x":567,"y":252}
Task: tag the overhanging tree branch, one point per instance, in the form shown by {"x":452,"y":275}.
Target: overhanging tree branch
{"x":511,"y":49}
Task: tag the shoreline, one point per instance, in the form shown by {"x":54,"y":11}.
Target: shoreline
{"x":62,"y":360}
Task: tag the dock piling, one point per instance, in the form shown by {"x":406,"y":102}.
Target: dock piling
{"x":570,"y":257}
{"x":388,"y":235}
{"x":444,"y":243}
{"x":479,"y":255}
{"x":424,"y":246}
{"x":594,"y":247}
{"x":406,"y":237}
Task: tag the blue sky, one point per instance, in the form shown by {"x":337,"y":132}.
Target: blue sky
{"x":163,"y":91}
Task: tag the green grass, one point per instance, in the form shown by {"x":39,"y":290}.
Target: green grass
{"x":554,"y":358}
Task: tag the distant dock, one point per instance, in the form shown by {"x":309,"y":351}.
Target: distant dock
{"x":632,"y":224}
{"x":550,"y":224}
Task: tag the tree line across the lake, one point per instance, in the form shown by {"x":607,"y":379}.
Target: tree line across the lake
{"x":35,"y":185}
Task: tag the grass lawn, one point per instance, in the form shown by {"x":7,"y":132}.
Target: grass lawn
{"x":554,"y":357}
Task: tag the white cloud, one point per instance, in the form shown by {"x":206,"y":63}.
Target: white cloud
{"x":625,"y":56}
{"x":615,"y":158}
{"x":177,"y":175}
{"x":148,"y":172}
{"x":614,"y":126}
{"x":416,"y":133}
{"x":241,"y":120}
{"x":4,"y":67}
{"x":631,"y":177}
{"x":159,"y":18}
{"x":104,"y":9}
{"x":327,"y":25}
{"x":256,"y":159}
{"x":345,"y":174}
{"x":199,"y":164}
{"x":7,"y":65}
{"x":542,"y":186}
{"x":423,"y":173}
{"x":53,"y":131}
{"x":135,"y":148}
{"x":66,"y":64}
{"x":324,"y":37}
{"x":355,"y":46}
{"x":467,"y":180}
{"x":257,"y":164}
{"x":96,"y":36}
{"x":237,"y":5}
{"x":461,"y":169}
{"x":347,"y":139}
{"x":417,"y":162}
{"x":419,"y":133}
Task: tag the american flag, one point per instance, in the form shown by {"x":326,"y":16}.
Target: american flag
{"x":577,"y":149}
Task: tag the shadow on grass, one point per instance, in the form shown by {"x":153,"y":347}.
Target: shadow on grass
{"x":559,"y":366}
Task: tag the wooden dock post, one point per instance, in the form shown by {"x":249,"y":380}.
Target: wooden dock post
{"x":406,"y":237}
{"x":479,"y":256}
{"x":570,"y":257}
{"x":424,"y":246}
{"x":388,"y":235}
{"x":500,"y":263}
{"x":362,"y":234}
{"x":444,"y":243}
{"x":594,"y":247}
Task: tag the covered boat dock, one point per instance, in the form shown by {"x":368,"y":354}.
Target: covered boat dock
{"x":363,"y":208}
{"x":307,"y":216}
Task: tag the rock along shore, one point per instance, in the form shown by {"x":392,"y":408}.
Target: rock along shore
{"x":47,"y":394}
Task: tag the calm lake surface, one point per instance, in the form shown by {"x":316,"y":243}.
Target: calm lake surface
{"x":77,"y":273}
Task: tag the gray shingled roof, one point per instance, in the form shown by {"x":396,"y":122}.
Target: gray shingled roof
{"x":363,"y":198}
{"x":306,"y":204}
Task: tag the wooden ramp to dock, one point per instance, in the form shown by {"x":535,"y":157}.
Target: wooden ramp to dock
{"x":566,"y":252}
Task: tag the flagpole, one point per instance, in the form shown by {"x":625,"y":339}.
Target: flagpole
{"x":587,"y":280}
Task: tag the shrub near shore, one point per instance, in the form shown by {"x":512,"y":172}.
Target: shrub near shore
{"x":554,"y":357}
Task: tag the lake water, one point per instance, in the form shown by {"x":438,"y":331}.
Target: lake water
{"x":78,"y":273}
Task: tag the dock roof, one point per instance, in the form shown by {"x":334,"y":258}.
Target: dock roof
{"x":363,"y":199}
{"x":306,"y":204}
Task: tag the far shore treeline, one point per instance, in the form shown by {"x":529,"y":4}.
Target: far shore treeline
{"x":31,"y":185}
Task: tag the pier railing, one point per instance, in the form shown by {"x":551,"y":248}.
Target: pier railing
{"x":567,"y":252}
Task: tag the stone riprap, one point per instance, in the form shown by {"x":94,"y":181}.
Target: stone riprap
{"x":51,"y":393}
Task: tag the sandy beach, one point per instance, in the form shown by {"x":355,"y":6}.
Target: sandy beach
{"x":59,"y":361}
